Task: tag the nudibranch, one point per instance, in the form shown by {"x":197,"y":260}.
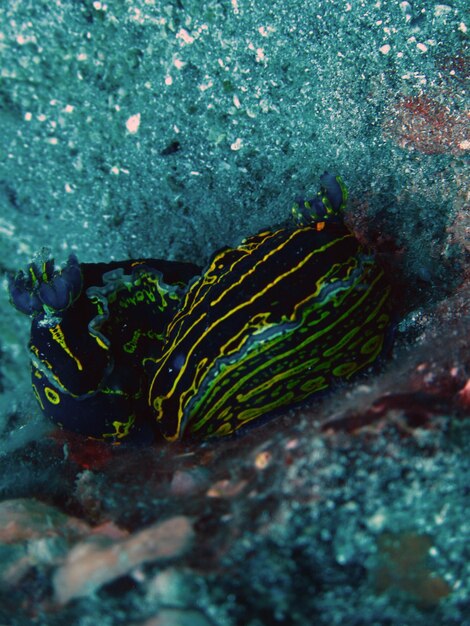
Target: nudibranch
{"x":125,"y":349}
{"x":271,"y":322}
{"x":92,"y":325}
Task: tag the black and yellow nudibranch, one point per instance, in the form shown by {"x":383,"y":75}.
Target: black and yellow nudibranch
{"x":122,"y":348}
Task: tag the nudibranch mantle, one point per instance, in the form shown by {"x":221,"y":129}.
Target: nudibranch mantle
{"x":271,"y":322}
{"x":120,"y":351}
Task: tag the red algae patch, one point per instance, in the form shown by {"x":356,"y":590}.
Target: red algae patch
{"x":422,"y":123}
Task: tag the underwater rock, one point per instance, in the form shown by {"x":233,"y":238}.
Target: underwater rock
{"x":402,"y":565}
{"x":33,"y":537}
{"x":26,"y":519}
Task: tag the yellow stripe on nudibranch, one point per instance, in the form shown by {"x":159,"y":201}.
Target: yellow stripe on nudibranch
{"x":59,"y":337}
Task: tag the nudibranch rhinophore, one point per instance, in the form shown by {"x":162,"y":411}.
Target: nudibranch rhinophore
{"x":125,"y":348}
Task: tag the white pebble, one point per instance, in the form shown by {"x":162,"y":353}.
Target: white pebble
{"x":441,"y":9}
{"x":237,"y":144}
{"x":133,"y":124}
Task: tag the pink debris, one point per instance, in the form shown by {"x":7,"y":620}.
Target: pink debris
{"x":178,"y":617}
{"x":226,"y":488}
{"x":26,"y":519}
{"x":464,"y":396}
{"x":92,"y":564}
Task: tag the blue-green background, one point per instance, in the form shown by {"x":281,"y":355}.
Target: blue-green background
{"x":261,"y":98}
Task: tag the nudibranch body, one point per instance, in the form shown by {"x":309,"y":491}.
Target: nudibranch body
{"x":271,"y":322}
{"x":134,"y":347}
